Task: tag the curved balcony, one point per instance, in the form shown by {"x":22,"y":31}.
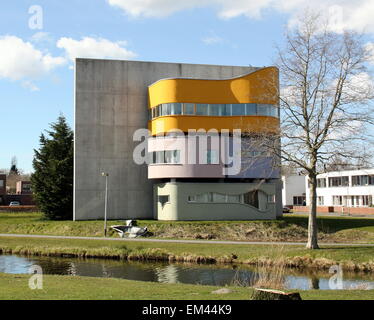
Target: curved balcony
{"x":260,"y":86}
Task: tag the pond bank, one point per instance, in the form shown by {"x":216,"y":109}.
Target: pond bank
{"x":349,"y":258}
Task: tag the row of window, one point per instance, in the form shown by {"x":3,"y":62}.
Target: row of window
{"x":351,"y":201}
{"x":251,"y":198}
{"x":363,"y":180}
{"x":204,"y":109}
{"x":174,"y":157}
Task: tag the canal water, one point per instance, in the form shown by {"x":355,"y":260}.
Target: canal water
{"x":179,"y":273}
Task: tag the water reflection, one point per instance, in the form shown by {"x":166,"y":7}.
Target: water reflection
{"x":176,"y":273}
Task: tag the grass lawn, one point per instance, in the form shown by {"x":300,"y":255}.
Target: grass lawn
{"x":352,"y":258}
{"x":15,"y":287}
{"x":289,"y":228}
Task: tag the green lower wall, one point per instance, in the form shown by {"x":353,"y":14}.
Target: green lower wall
{"x":178,"y":208}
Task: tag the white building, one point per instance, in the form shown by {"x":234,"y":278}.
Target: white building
{"x":353,"y":188}
{"x":293,"y":190}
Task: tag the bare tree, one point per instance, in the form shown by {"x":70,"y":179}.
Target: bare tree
{"x":325,"y":100}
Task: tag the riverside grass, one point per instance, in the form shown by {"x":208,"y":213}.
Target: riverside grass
{"x":350,"y":258}
{"x":87,"y":288}
{"x":289,"y":228}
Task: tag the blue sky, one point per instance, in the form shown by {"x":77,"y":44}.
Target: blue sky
{"x":36,"y":74}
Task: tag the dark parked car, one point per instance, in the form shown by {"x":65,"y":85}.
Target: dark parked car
{"x":286,"y":210}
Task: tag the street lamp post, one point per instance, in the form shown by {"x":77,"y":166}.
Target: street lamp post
{"x":105,"y":174}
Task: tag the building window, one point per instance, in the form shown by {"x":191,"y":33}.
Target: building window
{"x":165,"y":157}
{"x":202,"y":109}
{"x":1,"y":183}
{"x":175,"y":108}
{"x":321,"y":183}
{"x":251,"y":109}
{"x":337,"y":200}
{"x":339,"y":181}
{"x":236,"y":109}
{"x":163,"y":199}
{"x":191,"y":198}
{"x":212,"y":157}
{"x":299,"y":201}
{"x":271,"y":198}
{"x":251,"y":198}
{"x":172,"y":156}
{"x":320,"y":201}
{"x":188,"y":108}
{"x":361,"y":180}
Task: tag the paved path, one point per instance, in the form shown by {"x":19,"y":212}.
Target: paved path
{"x":179,"y":241}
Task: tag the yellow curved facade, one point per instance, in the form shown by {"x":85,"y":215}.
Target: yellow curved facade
{"x":258,"y":124}
{"x":260,"y":86}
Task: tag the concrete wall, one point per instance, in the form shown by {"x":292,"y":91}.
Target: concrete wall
{"x":111,"y":102}
{"x":178,"y":208}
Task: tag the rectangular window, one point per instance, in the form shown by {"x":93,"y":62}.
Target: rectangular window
{"x":371,"y":180}
{"x":188,"y":108}
{"x":238,"y":109}
{"x":218,"y":197}
{"x":216,"y":109}
{"x":202,"y":109}
{"x":321,"y":183}
{"x":299,"y":201}
{"x":320,"y":201}
{"x":251,"y":109}
{"x":345,"y":181}
{"x":339,"y":181}
{"x":337,"y":200}
{"x":1,"y":183}
{"x":191,"y":198}
{"x":165,"y":109}
{"x":202,"y":198}
{"x":228,"y":110}
{"x":212,"y":157}
{"x":233,"y":198}
{"x":175,"y":108}
{"x":160,"y":157}
{"x":172,"y":156}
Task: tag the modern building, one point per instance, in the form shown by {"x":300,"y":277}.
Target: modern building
{"x":293,"y":190}
{"x":178,"y":180}
{"x":353,"y":188}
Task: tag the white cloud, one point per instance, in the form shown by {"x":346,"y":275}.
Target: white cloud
{"x":157,"y":8}
{"x":212,"y":39}
{"x":41,"y":37}
{"x":94,"y":48}
{"x":356,"y":15}
{"x":29,"y":85}
{"x":21,"y":60}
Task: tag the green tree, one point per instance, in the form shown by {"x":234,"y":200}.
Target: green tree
{"x":52,"y":180}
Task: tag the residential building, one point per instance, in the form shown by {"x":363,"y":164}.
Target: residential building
{"x":116,"y":99}
{"x":351,"y":188}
